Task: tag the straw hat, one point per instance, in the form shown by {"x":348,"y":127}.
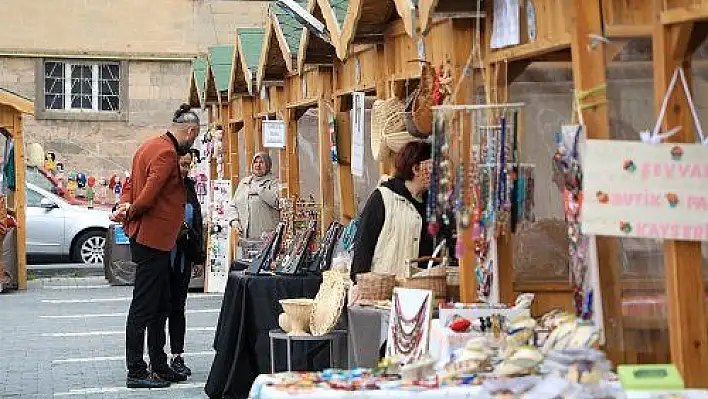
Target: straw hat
{"x":388,"y":127}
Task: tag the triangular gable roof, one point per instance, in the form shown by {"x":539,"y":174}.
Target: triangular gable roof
{"x":314,"y":50}
{"x":288,"y":31}
{"x":426,"y":9}
{"x":247,"y":51}
{"x":196,"y":82}
{"x":272,"y":64}
{"x":371,"y":17}
{"x":334,"y":13}
{"x":218,"y":72}
{"x":17,"y":102}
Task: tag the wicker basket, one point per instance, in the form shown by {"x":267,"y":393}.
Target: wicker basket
{"x":376,"y":286}
{"x":422,"y":111}
{"x":437,"y":284}
{"x":387,"y":117}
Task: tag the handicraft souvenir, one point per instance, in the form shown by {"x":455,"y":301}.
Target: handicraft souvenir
{"x":90,"y":193}
{"x":329,"y":302}
{"x":50,"y":161}
{"x":295,"y":260}
{"x":409,"y":324}
{"x":569,"y":173}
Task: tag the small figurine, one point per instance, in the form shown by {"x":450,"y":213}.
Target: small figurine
{"x":71,"y":186}
{"x":50,"y":161}
{"x":90,"y":194}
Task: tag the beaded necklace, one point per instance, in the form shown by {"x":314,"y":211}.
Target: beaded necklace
{"x":408,"y":332}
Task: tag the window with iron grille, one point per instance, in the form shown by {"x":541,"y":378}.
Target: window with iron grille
{"x":82,"y":86}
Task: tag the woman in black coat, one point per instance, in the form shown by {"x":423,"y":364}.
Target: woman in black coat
{"x":188,"y":252}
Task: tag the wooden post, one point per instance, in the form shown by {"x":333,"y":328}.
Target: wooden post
{"x":673,"y":46}
{"x":382,"y":93}
{"x":234,"y":156}
{"x":347,"y":200}
{"x":20,"y":202}
{"x":249,"y":134}
{"x":467,"y":275}
{"x":588,"y":61}
{"x":324,"y":110}
{"x":291,"y":151}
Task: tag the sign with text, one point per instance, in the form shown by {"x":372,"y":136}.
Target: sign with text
{"x":273,"y":134}
{"x":633,"y":189}
{"x":358,"y":115}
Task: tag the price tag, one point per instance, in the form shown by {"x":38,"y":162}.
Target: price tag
{"x":650,"y":377}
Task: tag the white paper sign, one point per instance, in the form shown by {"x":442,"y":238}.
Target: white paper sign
{"x":357,"y":118}
{"x":632,"y":189}
{"x":273,"y":134}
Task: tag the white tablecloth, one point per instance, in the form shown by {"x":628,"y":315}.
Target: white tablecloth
{"x":261,"y":391}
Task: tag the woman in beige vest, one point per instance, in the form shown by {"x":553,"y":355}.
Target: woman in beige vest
{"x":254,"y":206}
{"x":392,"y":225}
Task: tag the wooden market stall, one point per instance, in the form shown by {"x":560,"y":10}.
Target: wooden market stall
{"x":12,"y":108}
{"x":247,"y":50}
{"x":218,"y":77}
{"x":577,"y":33}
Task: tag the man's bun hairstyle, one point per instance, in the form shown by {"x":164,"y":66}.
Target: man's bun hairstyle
{"x":184,"y":114}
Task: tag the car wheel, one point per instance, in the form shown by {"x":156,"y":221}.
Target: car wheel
{"x":89,"y":248}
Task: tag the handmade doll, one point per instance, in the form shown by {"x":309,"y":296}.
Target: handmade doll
{"x":59,"y":174}
{"x":50,"y":161}
{"x":102,"y":190}
{"x":81,"y":185}
{"x":217,"y":144}
{"x":117,"y":189}
{"x":201,"y":188}
{"x":90,"y":194}
{"x":113,"y":183}
{"x":71,"y":186}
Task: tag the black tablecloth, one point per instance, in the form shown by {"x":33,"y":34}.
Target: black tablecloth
{"x":249,"y":310}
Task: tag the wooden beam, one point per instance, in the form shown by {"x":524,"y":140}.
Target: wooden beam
{"x":406,"y":10}
{"x":20,"y":202}
{"x":249,"y":132}
{"x":683,"y":261}
{"x":589,"y":67}
{"x":681,"y":15}
{"x":17,"y":102}
{"x":530,"y":50}
{"x":615,"y":48}
{"x":263,"y":61}
{"x":292,"y":153}
{"x":425,"y":14}
{"x":325,"y":109}
{"x":283,"y":44}
{"x":348,"y":29}
{"x":627,"y":31}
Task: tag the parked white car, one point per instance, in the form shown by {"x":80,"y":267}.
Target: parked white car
{"x":55,"y":227}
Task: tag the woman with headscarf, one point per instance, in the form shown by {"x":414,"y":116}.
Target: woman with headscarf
{"x":255,"y":202}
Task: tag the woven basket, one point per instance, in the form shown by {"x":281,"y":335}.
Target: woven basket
{"x":437,"y":284}
{"x":376,"y":286}
{"x":422,"y":112}
{"x":387,"y":117}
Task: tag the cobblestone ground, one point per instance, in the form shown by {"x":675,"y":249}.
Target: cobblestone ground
{"x":64,"y":338}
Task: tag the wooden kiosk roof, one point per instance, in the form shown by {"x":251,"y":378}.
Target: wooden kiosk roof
{"x":218,"y":73}
{"x":429,"y":8}
{"x":244,"y":65}
{"x":280,"y":45}
{"x":365,"y":20}
{"x":196,"y":82}
{"x":17,"y":102}
{"x":313,"y":50}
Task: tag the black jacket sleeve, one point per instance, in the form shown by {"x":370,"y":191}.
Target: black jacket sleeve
{"x":367,"y":235}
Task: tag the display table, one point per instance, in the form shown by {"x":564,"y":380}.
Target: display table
{"x":262,"y":390}
{"x":249,"y":310}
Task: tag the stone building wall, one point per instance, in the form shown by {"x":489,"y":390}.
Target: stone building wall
{"x":103,"y":148}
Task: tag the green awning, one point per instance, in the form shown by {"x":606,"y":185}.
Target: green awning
{"x":251,"y":45}
{"x":199,"y":65}
{"x":292,"y":29}
{"x":220,"y":60}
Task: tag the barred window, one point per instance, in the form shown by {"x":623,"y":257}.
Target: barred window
{"x":82,"y":86}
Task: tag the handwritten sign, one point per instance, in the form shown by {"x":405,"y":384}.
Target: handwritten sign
{"x":273,"y":134}
{"x":632,"y":189}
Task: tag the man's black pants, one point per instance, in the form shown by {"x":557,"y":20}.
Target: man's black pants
{"x":148,"y":309}
{"x":179,"y":285}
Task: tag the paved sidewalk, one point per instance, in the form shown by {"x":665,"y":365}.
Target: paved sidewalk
{"x":64,"y":337}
